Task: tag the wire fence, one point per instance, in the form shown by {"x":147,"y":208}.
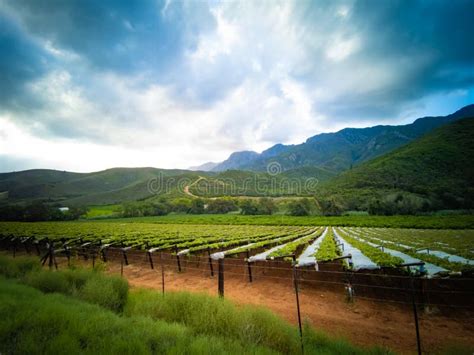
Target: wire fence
{"x":382,"y":286}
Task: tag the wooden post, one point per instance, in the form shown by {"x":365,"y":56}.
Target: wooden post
{"x":121,"y":267}
{"x":162,"y":275}
{"x":415,"y":313}
{"x":295,"y":281}
{"x":249,"y":267}
{"x":210,"y":262}
{"x":221,"y":277}
{"x":150,"y":258}
{"x":177,"y":258}
{"x":125,"y":256}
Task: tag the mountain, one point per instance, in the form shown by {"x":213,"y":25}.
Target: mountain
{"x":107,"y":186}
{"x":204,"y":167}
{"x":436,"y":170}
{"x":340,"y":150}
{"x":237,"y":160}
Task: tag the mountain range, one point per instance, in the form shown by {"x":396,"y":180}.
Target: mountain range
{"x":337,"y":151}
{"x":426,"y":163}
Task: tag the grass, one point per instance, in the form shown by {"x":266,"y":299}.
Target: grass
{"x":424,"y":222}
{"x":103,"y":211}
{"x":66,"y":318}
{"x":37,"y":323}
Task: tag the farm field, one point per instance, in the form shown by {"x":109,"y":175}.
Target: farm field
{"x":442,"y":251}
{"x":418,"y":222}
{"x":259,"y":260}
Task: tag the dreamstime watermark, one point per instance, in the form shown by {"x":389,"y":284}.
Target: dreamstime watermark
{"x":273,"y":183}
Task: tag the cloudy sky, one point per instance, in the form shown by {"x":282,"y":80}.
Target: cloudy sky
{"x":87,"y":85}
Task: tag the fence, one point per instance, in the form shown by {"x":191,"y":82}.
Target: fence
{"x":450,"y":295}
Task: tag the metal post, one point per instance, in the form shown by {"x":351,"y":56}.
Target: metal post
{"x":295,"y":280}
{"x":221,"y":277}
{"x":210,"y":262}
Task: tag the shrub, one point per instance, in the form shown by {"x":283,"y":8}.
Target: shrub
{"x":48,"y":281}
{"x":18,"y":267}
{"x":106,"y":291}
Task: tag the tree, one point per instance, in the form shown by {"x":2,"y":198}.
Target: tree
{"x":221,"y":205}
{"x":248,"y":207}
{"x":197,"y":206}
{"x":266,"y":206}
{"x":300,"y":207}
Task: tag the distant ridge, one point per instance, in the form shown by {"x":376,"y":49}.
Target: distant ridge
{"x":340,"y":150}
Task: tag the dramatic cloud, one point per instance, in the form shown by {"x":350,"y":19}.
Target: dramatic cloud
{"x":88,"y":84}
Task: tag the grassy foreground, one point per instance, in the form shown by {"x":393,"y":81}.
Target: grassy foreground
{"x":84,"y":311}
{"x":428,"y":222}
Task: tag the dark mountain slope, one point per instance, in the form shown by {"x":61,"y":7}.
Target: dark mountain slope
{"x":437,"y":167}
{"x":340,"y":150}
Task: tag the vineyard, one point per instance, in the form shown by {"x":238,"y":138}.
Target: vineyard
{"x":436,"y":252}
{"x":417,"y":268}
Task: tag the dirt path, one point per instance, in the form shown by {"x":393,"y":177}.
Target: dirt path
{"x":364,"y":322}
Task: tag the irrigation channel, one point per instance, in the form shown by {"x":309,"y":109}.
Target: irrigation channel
{"x":413,"y":300}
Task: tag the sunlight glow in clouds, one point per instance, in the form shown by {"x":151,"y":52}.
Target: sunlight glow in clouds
{"x":173,"y":84}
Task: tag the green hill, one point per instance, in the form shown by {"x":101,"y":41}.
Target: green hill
{"x":433,"y":172}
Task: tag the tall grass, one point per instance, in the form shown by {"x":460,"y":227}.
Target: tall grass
{"x":248,"y":324}
{"x":88,"y":285}
{"x":199,"y":316}
{"x":37,"y":323}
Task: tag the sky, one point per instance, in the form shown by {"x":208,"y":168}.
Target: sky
{"x":87,"y":85}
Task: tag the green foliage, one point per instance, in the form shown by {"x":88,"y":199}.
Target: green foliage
{"x":181,"y":323}
{"x":90,"y":286}
{"x":291,"y":247}
{"x":431,"y":173}
{"x":302,"y":207}
{"x":221,"y":205}
{"x":374,"y":254}
{"x":262,"y":206}
{"x":327,"y":249}
{"x":18,"y":267}
{"x":108,"y":292}
{"x":39,"y":211}
{"x":35,"y":323}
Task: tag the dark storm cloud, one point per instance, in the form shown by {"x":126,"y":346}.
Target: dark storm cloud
{"x":21,"y":61}
{"x":428,"y":44}
{"x":116,"y":35}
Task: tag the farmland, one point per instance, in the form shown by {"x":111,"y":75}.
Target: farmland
{"x":260,"y":258}
{"x":443,"y":251}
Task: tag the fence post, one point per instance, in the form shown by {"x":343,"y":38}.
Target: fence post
{"x":151,"y":260}
{"x":221,"y":277}
{"x":249,"y":267}
{"x":295,"y":281}
{"x":121,"y":267}
{"x":162,"y":274}
{"x":177,"y":258}
{"x":210,"y":261}
{"x":415,"y":312}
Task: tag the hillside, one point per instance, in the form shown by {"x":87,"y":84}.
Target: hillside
{"x":435,"y":169}
{"x":340,"y":150}
{"x":108,"y":186}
